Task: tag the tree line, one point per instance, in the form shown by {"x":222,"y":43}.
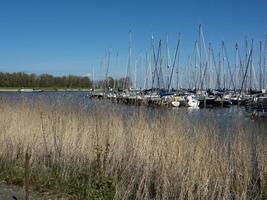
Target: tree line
{"x":20,"y":79}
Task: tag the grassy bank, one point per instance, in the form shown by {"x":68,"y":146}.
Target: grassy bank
{"x":46,"y":89}
{"x":106,"y":154}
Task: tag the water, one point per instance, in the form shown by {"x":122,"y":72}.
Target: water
{"x":226,"y":119}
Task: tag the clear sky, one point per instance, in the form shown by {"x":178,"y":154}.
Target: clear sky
{"x":72,"y":36}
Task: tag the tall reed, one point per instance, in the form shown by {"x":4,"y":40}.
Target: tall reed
{"x":106,"y":153}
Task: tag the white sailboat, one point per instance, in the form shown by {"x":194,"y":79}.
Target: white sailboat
{"x":192,"y":101}
{"x":175,"y":102}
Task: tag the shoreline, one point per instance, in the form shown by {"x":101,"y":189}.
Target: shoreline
{"x":46,"y":89}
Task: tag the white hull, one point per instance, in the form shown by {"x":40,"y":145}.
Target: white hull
{"x":192,"y":102}
{"x":29,"y":90}
{"x":175,"y":103}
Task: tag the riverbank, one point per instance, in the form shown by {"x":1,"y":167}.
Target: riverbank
{"x":47,"y":89}
{"x":102,"y":153}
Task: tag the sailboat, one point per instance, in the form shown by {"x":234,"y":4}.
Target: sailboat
{"x":192,"y":101}
{"x":175,"y":102}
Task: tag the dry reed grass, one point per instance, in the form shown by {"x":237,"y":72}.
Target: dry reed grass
{"x":107,"y":154}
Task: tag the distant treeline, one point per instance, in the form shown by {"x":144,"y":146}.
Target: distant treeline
{"x":21,"y":79}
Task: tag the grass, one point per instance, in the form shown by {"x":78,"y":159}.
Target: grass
{"x":104,"y":153}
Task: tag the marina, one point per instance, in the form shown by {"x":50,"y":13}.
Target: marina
{"x":133,"y":100}
{"x":206,"y":81}
{"x":254,"y":104}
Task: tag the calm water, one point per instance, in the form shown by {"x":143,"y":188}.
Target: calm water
{"x":226,"y":119}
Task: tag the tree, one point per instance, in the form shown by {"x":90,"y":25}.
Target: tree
{"x":20,"y":79}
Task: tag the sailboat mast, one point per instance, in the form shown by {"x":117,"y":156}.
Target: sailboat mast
{"x":153,"y":57}
{"x":174,"y":62}
{"x":178,"y":61}
{"x":167,"y":59}
{"x":104,"y":72}
{"x":223,"y":68}
{"x":216,"y":70}
{"x":195,"y":77}
{"x":246,"y":69}
{"x":127,"y":78}
{"x":209,"y":68}
{"x":146,"y":72}
{"x":160,"y":76}
{"x":241,"y":66}
{"x":236,"y":64}
{"x":135,"y":74}
{"x":187,"y":72}
{"x":260,"y":63}
{"x":264,"y":64}
{"x":220,"y":72}
{"x":250,"y":69}
{"x":246,"y":80}
{"x":200,"y":57}
{"x":106,"y":76}
{"x":93,"y":79}
{"x":117,"y":64}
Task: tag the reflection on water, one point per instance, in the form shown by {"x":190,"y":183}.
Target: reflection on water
{"x":226,"y":119}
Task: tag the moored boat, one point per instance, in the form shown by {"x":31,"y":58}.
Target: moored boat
{"x":29,"y":90}
{"x":192,"y":101}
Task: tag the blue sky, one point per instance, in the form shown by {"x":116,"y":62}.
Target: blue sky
{"x":71,"y":37}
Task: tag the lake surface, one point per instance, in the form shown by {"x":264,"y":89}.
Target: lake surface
{"x":226,"y":119}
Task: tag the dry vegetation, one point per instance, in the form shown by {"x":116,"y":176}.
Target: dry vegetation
{"x":107,"y":154}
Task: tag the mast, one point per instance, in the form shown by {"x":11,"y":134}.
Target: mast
{"x":178,"y":60}
{"x":246,"y":60}
{"x":200,"y":56}
{"x":195,"y":66}
{"x":246,"y":70}
{"x":102,"y":71}
{"x":260,"y":66}
{"x":135,"y":74}
{"x":149,"y":71}
{"x":127,"y":78}
{"x":167,"y":59}
{"x":236,"y":64}
{"x":223,"y":68}
{"x":114,"y":78}
{"x":204,"y":58}
{"x":216,"y":70}
{"x":146,"y":71}
{"x":160,"y":77}
{"x":264,"y":64}
{"x":106,"y":75}
{"x":209,"y":68}
{"x":250,"y":69}
{"x":187,"y":71}
{"x":139,"y":71}
{"x":154,"y":60}
{"x":220,"y":72}
{"x":240,"y":63}
{"x":228,"y":67}
{"x":174,"y":62}
{"x":93,"y":79}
